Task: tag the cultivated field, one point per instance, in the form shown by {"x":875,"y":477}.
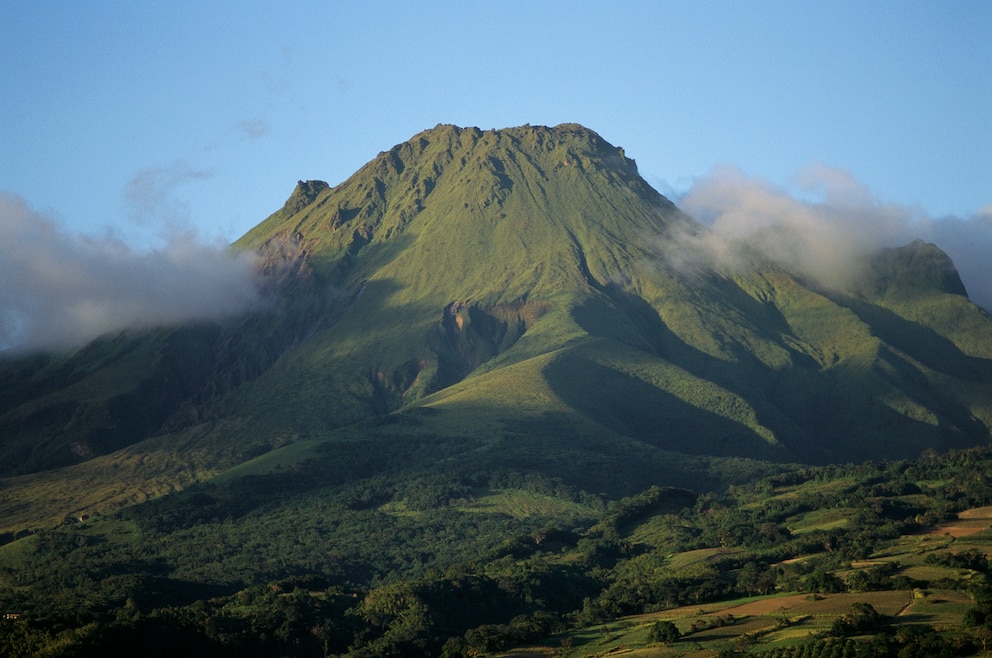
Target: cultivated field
{"x":788,"y":619}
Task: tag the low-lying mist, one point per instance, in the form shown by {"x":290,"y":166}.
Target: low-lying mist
{"x":59,"y":290}
{"x":824,"y":228}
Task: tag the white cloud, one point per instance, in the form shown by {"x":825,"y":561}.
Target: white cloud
{"x":825,"y":228}
{"x":150,"y":195}
{"x":59,"y":290}
{"x":255,"y":128}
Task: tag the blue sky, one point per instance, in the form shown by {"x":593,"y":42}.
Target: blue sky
{"x":132,"y":121}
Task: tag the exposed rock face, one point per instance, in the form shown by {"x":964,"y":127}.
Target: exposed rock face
{"x":304,"y":194}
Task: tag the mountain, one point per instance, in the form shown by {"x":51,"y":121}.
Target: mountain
{"x":518,"y":299}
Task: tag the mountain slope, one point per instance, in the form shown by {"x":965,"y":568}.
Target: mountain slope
{"x":519,"y":292}
{"x":469,"y":251}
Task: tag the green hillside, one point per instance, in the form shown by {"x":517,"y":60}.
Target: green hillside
{"x":523,"y":286}
{"x":464,"y":252}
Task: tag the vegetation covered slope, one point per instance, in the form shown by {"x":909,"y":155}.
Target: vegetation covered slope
{"x":526,"y":287}
{"x":463,"y":252}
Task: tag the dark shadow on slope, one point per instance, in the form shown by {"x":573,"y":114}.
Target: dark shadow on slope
{"x":767,"y":319}
{"x":122,"y":389}
{"x":958,"y":425}
{"x":302,"y":309}
{"x":561,"y":454}
{"x":820,"y":415}
{"x":748,"y":378}
{"x":923,"y":343}
{"x":301,"y":305}
{"x":961,"y":427}
{"x":587,"y":456}
{"x":635,"y":408}
{"x":110,"y":394}
{"x":469,"y":334}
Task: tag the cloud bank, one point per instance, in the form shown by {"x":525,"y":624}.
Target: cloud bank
{"x":59,"y":291}
{"x":824,"y":228}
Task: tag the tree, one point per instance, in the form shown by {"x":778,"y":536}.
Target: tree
{"x":984,"y":635}
{"x":863,"y":618}
{"x":665,"y":631}
{"x":755,"y":578}
{"x":743,"y":642}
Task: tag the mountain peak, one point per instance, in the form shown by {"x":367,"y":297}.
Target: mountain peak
{"x":304,"y":194}
{"x":918,"y":268}
{"x":449,"y":181}
{"x":584,"y":143}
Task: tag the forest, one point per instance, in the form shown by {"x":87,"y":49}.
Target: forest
{"x":448,"y":564}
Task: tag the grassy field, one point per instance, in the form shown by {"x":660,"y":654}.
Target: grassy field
{"x":826,"y":519}
{"x":770,"y":621}
{"x":522,"y":504}
{"x":969,"y":522}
